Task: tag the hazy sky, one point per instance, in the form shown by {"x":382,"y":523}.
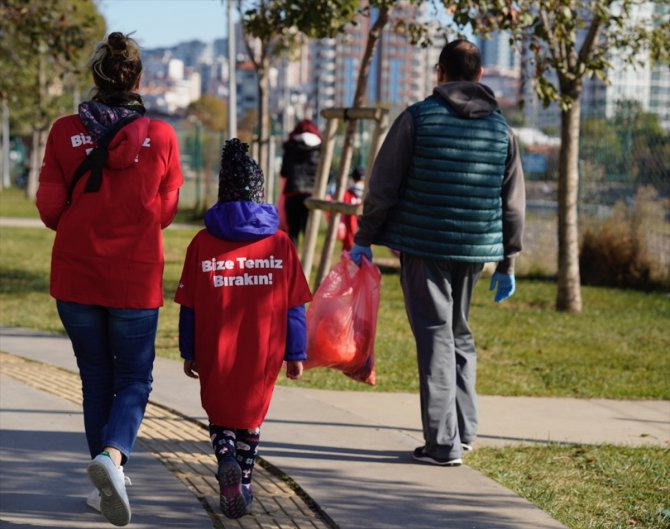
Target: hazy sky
{"x":160,"y":23}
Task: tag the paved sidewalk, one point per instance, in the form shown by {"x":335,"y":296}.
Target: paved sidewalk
{"x":43,"y":479}
{"x":349,"y":452}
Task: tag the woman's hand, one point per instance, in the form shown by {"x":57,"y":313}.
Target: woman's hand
{"x":190,"y":369}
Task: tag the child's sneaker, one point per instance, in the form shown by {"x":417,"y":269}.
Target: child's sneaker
{"x":421,"y":455}
{"x":467,"y":447}
{"x":233,"y":502}
{"x":248,"y":496}
{"x":110,"y":482}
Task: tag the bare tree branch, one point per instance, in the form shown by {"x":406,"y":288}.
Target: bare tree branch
{"x":591,"y":38}
{"x":553,"y":43}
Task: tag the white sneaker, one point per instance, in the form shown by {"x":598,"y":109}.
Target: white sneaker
{"x":110,"y":483}
{"x":93,"y":498}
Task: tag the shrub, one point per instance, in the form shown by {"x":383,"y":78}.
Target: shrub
{"x":615,"y":253}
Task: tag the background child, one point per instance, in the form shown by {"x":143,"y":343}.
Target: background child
{"x":242,"y":294}
{"x":349,"y":223}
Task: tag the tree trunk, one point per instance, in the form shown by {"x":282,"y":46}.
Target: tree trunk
{"x":36,"y":156}
{"x":569,"y":297}
{"x":264,"y":126}
{"x":6,"y":179}
{"x":348,"y":145}
{"x":359,"y":96}
{"x":39,"y":128}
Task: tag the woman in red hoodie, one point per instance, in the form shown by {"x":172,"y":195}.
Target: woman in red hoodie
{"x":109,"y":184}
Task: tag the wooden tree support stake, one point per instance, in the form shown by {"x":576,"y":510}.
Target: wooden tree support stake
{"x":318,"y":203}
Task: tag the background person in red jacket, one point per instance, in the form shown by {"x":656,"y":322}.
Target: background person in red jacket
{"x":242,"y":294}
{"x":107,"y":258}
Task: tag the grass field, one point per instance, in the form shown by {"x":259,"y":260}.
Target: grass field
{"x":617,"y":348}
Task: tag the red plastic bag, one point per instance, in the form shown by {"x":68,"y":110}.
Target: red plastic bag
{"x":342,"y":320}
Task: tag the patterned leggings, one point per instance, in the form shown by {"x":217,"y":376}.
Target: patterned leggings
{"x":239,"y":443}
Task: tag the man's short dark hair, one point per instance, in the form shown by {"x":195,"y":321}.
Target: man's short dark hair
{"x":460,"y":60}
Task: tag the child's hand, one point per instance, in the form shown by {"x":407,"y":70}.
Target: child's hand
{"x":190,"y":369}
{"x":294,"y":369}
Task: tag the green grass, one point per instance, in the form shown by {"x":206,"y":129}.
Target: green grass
{"x":618,"y":348}
{"x":586,"y":487}
{"x":14,"y":203}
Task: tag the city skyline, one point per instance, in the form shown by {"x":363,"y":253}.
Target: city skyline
{"x":405,"y":76}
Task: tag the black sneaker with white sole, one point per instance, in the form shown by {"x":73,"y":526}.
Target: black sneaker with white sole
{"x":232,"y":499}
{"x":421,"y":455}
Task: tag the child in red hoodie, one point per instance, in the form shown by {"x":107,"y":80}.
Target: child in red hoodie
{"x":242,"y":294}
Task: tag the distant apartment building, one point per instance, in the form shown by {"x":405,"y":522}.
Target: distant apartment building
{"x":400,"y":73}
{"x":247,"y":89}
{"x":644,"y":83}
{"x":659,"y":95}
{"x":505,"y":83}
{"x":193,"y":52}
{"x":293,"y":87}
{"x":498,"y":51}
{"x":214,"y":77}
{"x":324,"y":74}
{"x":501,"y":62}
{"x":169,"y":86}
{"x":321,"y":88}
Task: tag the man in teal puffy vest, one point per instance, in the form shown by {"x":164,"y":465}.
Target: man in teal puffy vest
{"x":447,"y":192}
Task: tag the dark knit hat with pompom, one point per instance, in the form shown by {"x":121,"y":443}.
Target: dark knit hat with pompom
{"x":240,"y":177}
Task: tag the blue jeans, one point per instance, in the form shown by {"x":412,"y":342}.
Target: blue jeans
{"x":115,"y":354}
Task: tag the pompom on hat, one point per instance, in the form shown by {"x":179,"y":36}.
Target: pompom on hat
{"x":240,"y":177}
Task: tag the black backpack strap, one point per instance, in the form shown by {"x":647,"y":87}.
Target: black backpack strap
{"x":96,"y":159}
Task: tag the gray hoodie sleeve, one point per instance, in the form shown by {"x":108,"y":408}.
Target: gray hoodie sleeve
{"x":514,"y":207}
{"x":388,"y":171}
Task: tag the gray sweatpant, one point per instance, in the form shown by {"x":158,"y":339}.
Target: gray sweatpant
{"x":437,"y":299}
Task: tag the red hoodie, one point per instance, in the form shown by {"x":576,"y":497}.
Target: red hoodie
{"x":108,"y":249}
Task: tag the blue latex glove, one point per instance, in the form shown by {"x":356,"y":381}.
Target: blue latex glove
{"x":506,"y":286}
{"x":357,"y":251}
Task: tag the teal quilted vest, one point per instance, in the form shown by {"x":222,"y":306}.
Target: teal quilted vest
{"x":449,"y":203}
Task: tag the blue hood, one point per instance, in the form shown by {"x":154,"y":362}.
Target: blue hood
{"x":242,"y":221}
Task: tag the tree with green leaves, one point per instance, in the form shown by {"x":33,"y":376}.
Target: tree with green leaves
{"x":43,"y":50}
{"x":630,"y":147}
{"x":211,"y":111}
{"x":568,"y":42}
{"x":384,"y":17}
{"x":276,"y":28}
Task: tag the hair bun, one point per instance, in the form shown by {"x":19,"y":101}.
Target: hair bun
{"x":116,"y":64}
{"x":117,"y":41}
